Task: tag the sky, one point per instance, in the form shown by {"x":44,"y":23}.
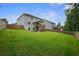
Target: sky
{"x":51,"y":11}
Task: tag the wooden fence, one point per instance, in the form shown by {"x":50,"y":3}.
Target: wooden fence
{"x":15,"y":26}
{"x":76,"y":34}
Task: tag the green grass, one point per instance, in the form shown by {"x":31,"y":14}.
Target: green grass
{"x":22,"y":42}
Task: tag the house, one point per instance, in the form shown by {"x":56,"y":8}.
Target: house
{"x":3,"y":23}
{"x":33,"y":23}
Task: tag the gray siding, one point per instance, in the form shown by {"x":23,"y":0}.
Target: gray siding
{"x":2,"y":24}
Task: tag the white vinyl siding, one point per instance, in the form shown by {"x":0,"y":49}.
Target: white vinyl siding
{"x":23,"y":20}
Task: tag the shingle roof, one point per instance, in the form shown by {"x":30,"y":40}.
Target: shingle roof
{"x":35,"y":17}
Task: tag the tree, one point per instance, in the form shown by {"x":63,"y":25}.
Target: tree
{"x":72,"y":22}
{"x":59,"y":25}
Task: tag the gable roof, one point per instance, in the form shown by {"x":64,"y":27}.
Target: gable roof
{"x":35,"y":17}
{"x":5,"y":20}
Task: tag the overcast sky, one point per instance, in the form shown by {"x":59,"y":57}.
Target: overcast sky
{"x":53,"y":12}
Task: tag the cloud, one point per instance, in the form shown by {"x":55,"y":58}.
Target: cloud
{"x":12,"y":18}
{"x":51,"y":4}
{"x":45,"y":13}
{"x":68,"y":7}
{"x":49,"y":14}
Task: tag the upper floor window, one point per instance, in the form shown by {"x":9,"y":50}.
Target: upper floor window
{"x":31,"y":18}
{"x":28,"y":23}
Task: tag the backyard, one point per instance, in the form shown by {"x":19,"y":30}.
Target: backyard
{"x":22,"y":42}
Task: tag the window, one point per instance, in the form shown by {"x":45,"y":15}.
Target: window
{"x":33,"y":28}
{"x":28,"y":28}
{"x":31,"y":18}
{"x":28,"y":23}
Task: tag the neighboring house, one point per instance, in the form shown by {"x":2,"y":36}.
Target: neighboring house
{"x":3,"y":23}
{"x":33,"y":23}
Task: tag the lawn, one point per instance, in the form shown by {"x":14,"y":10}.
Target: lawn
{"x":22,"y":42}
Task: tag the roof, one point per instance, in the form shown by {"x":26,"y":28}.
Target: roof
{"x":5,"y":20}
{"x":35,"y":17}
